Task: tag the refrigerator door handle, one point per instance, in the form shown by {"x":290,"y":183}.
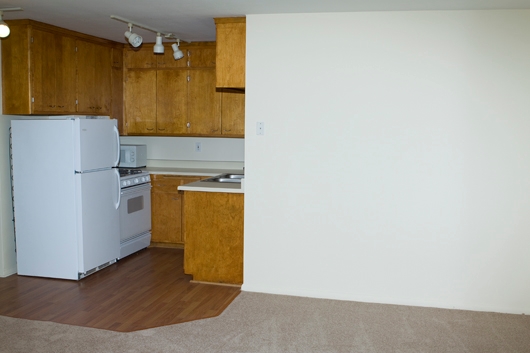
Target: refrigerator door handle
{"x":118,"y":146}
{"x":119,"y":189}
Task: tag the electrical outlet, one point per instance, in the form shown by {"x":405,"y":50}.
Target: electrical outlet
{"x":198,"y":147}
{"x":260,"y":128}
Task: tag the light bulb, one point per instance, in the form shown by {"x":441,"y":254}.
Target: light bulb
{"x":4,"y":30}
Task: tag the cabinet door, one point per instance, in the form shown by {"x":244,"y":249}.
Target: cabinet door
{"x":94,"y":64}
{"x":65,"y":70}
{"x":172,"y":101}
{"x":213,"y":230}
{"x":117,"y":58}
{"x":53,"y":66}
{"x":166,"y":208}
{"x":232,"y":113}
{"x":103,"y":79}
{"x":202,"y":56}
{"x":231,"y":49}
{"x":140,"y":101}
{"x":143,"y":58}
{"x":166,"y":211}
{"x":117,"y":88}
{"x":43,"y":65}
{"x":204,"y":103}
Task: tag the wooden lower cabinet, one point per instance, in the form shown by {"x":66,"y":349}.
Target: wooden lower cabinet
{"x":213,"y":227}
{"x":166,"y":209}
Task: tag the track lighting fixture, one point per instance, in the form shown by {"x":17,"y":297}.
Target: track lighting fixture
{"x":134,"y":39}
{"x":158,"y":48}
{"x":177,"y":53}
{"x":4,"y":28}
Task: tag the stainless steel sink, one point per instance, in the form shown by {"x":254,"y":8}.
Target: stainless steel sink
{"x":226,"y":178}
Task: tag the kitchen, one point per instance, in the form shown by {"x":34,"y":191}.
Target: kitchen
{"x":438,"y":173}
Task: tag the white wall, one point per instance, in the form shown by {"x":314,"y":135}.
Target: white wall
{"x":180,"y":151}
{"x":395,"y":165}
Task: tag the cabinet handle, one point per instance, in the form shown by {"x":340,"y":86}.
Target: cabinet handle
{"x":228,"y":130}
{"x":161,"y":129}
{"x":175,"y":199}
{"x":188,"y":125}
{"x":215,"y":130}
{"x":149,"y":129}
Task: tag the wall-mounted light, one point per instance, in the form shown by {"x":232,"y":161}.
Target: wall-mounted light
{"x":177,"y":53}
{"x":4,"y":28}
{"x":158,"y":48}
{"x":134,"y":39}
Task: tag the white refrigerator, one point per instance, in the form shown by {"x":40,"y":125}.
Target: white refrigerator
{"x":66,"y":195}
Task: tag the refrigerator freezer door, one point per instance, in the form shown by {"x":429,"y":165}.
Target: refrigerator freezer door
{"x":97,"y":144}
{"x":97,"y":218}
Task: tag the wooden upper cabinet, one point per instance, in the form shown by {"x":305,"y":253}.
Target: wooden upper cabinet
{"x":94,"y":83}
{"x":231,"y":49}
{"x":179,"y":97}
{"x":38,"y":71}
{"x":42,"y":73}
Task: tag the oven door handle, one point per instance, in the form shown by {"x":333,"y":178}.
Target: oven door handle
{"x":117,"y":205}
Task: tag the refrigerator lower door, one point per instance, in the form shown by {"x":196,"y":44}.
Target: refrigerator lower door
{"x":97,"y":219}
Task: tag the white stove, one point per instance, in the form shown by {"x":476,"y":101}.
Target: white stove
{"x":135,"y":210}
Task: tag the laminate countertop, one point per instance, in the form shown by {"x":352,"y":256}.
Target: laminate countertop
{"x":203,"y":186}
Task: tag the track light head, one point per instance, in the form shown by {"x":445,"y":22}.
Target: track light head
{"x":177,"y":53}
{"x":134,"y":39}
{"x":158,"y":48}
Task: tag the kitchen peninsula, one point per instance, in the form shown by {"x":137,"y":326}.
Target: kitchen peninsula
{"x":213,"y":231}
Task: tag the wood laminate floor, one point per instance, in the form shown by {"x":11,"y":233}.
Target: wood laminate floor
{"x":144,"y":290}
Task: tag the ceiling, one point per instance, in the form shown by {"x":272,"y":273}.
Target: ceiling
{"x":192,"y":20}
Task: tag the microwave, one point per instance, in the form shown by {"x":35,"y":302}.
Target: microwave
{"x":133,"y":156}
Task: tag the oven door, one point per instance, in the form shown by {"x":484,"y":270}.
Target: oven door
{"x":135,"y":211}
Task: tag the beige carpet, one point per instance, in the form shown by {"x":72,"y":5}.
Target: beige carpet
{"x":257,"y":322}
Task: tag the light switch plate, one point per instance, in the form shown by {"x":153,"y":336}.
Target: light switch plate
{"x":260,"y":128}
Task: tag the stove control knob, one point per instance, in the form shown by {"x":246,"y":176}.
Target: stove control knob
{"x":136,"y":181}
